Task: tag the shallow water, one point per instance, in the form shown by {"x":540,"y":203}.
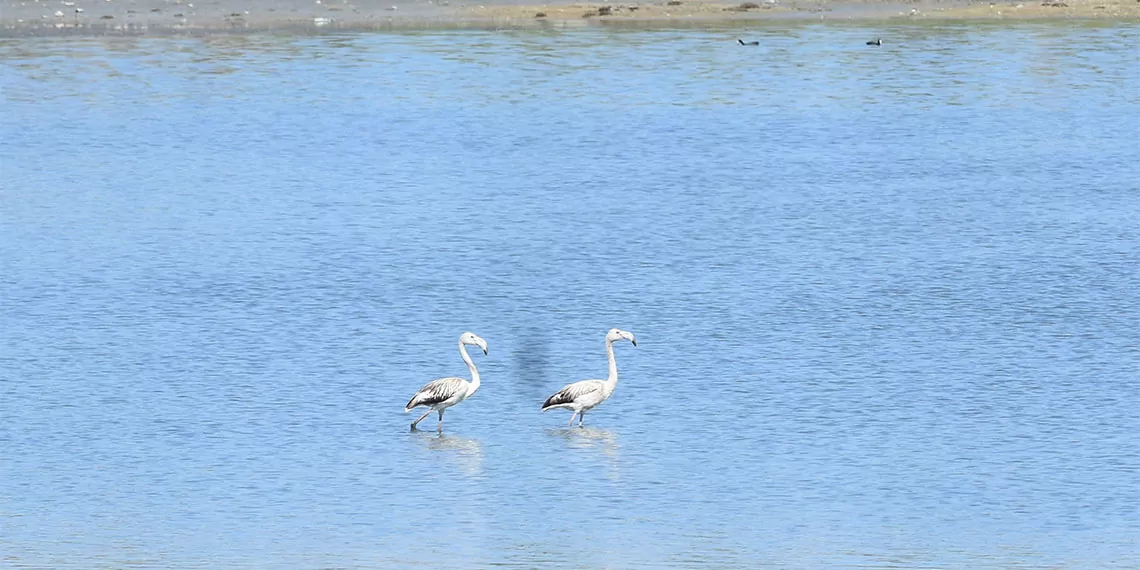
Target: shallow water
{"x":885,"y":298}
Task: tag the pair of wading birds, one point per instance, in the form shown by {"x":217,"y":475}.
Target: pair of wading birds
{"x":874,"y":42}
{"x":439,"y":395}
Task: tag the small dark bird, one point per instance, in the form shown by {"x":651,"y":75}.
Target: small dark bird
{"x":744,"y":43}
{"x":875,"y":42}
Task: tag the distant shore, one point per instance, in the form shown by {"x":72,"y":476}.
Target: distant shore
{"x":202,"y":17}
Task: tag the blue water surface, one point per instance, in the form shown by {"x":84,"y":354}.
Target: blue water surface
{"x":886,"y":299}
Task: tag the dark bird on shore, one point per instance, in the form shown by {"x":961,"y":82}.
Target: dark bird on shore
{"x":744,"y":43}
{"x":875,"y":42}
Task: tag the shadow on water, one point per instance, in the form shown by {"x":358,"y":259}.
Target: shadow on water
{"x":531,"y":362}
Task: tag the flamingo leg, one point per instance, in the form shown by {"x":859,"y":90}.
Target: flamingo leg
{"x":572,"y":419}
{"x":421,"y":418}
{"x":439,"y":428}
{"x":581,"y":415}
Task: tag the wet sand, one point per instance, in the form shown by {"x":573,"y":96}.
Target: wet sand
{"x":198,"y":17}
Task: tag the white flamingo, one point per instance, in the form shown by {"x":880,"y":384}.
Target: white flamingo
{"x":439,"y":395}
{"x":585,"y":395}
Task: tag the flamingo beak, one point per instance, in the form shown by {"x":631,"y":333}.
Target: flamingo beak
{"x":633,"y":341}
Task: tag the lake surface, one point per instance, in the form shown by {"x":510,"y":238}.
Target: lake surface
{"x":885,"y":298}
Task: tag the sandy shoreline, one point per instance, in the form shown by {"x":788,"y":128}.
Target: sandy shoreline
{"x":199,"y":17}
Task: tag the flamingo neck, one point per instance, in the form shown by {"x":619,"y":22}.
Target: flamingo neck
{"x":611,"y":381}
{"x":474,"y":384}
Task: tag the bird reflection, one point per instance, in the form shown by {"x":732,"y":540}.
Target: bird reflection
{"x":589,"y":438}
{"x":590,"y":441}
{"x":464,"y":452}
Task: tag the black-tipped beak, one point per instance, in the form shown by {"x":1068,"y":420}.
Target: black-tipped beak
{"x":484,"y":352}
{"x":634,"y":342}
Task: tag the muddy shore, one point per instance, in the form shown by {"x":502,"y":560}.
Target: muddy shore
{"x":199,"y":17}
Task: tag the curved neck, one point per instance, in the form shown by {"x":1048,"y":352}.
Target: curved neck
{"x":612,"y":380}
{"x":470,"y":366}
